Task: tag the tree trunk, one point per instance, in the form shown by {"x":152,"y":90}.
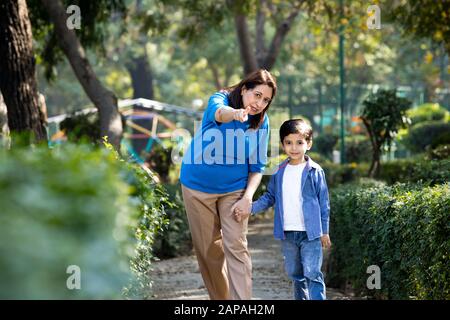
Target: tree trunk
{"x":374,"y":166}
{"x":260,"y":33}
{"x":447,"y":47}
{"x":215,"y":73}
{"x":141,"y":77}
{"x":139,"y":68}
{"x":374,"y":170}
{"x":18,"y":73}
{"x":245,"y":46}
{"x":280,"y":34}
{"x":104,"y":100}
{"x":228,"y":73}
{"x":261,"y":57}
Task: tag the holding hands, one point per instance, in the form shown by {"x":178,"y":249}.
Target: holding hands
{"x":326,"y":242}
{"x":241,"y":209}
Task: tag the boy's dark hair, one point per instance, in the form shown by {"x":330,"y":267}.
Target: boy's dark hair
{"x":296,"y":126}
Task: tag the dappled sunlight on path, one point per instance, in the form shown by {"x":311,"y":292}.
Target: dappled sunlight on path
{"x":180,"y":279}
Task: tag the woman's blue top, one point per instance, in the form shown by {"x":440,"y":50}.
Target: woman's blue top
{"x":221,"y":155}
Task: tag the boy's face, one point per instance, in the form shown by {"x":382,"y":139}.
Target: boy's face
{"x":295,"y":146}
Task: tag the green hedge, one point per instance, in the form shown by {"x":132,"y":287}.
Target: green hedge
{"x":82,"y":127}
{"x":427,"y":112}
{"x":416,"y":169}
{"x":75,"y":205}
{"x":441,"y":152}
{"x":427,"y":134}
{"x":403,"y":229}
{"x":358,"y":149}
{"x":150,"y":221}
{"x":344,"y":173}
{"x":176,"y":238}
{"x":325,"y":144}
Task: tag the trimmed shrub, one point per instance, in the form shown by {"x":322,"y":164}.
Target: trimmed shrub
{"x":61,"y":208}
{"x":427,"y":112}
{"x":151,"y":220}
{"x":358,"y":149}
{"x":403,"y":229}
{"x":324,"y":144}
{"x":427,"y":134}
{"x":416,"y":169}
{"x":76,"y":205}
{"x":176,"y":238}
{"x":336,"y":174}
{"x":439,"y":153}
{"x":317,"y":157}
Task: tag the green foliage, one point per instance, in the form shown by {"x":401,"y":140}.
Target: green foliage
{"x":427,"y":134}
{"x":357,"y":149}
{"x":62,"y":207}
{"x":176,"y":238}
{"x":82,"y":127}
{"x":383,"y":114}
{"x":403,"y":229}
{"x":152,"y":203}
{"x":424,"y":18}
{"x":427,"y":112}
{"x":337,"y":174}
{"x":95,"y":17}
{"x":317,"y":157}
{"x":199,"y":16}
{"x":416,"y":169}
{"x":159,"y":160}
{"x":441,"y":152}
{"x":430,"y":170}
{"x":324,"y":144}
{"x":76,"y":205}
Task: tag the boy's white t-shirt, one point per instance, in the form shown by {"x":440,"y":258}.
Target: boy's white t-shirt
{"x":292,"y":198}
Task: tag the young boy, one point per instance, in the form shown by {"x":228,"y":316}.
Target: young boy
{"x":299,"y":192}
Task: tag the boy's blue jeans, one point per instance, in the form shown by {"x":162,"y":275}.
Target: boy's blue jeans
{"x":303,"y":262}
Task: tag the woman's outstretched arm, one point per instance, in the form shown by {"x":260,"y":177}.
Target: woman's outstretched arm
{"x":226,"y":114}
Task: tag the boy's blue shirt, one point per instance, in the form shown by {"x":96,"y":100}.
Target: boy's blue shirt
{"x":316,"y":205}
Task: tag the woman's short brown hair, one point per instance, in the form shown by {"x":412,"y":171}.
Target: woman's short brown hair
{"x":252,"y":80}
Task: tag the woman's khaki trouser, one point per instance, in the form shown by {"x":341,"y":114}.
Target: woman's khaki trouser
{"x":220,"y":243}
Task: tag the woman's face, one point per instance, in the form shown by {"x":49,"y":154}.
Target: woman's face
{"x":257,"y":98}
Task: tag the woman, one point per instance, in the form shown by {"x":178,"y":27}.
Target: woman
{"x":220,"y":172}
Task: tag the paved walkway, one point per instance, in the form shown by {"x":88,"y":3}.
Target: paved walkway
{"x":179,"y":278}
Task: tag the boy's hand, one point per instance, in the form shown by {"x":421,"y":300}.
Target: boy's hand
{"x":239,"y":214}
{"x":326,"y":242}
